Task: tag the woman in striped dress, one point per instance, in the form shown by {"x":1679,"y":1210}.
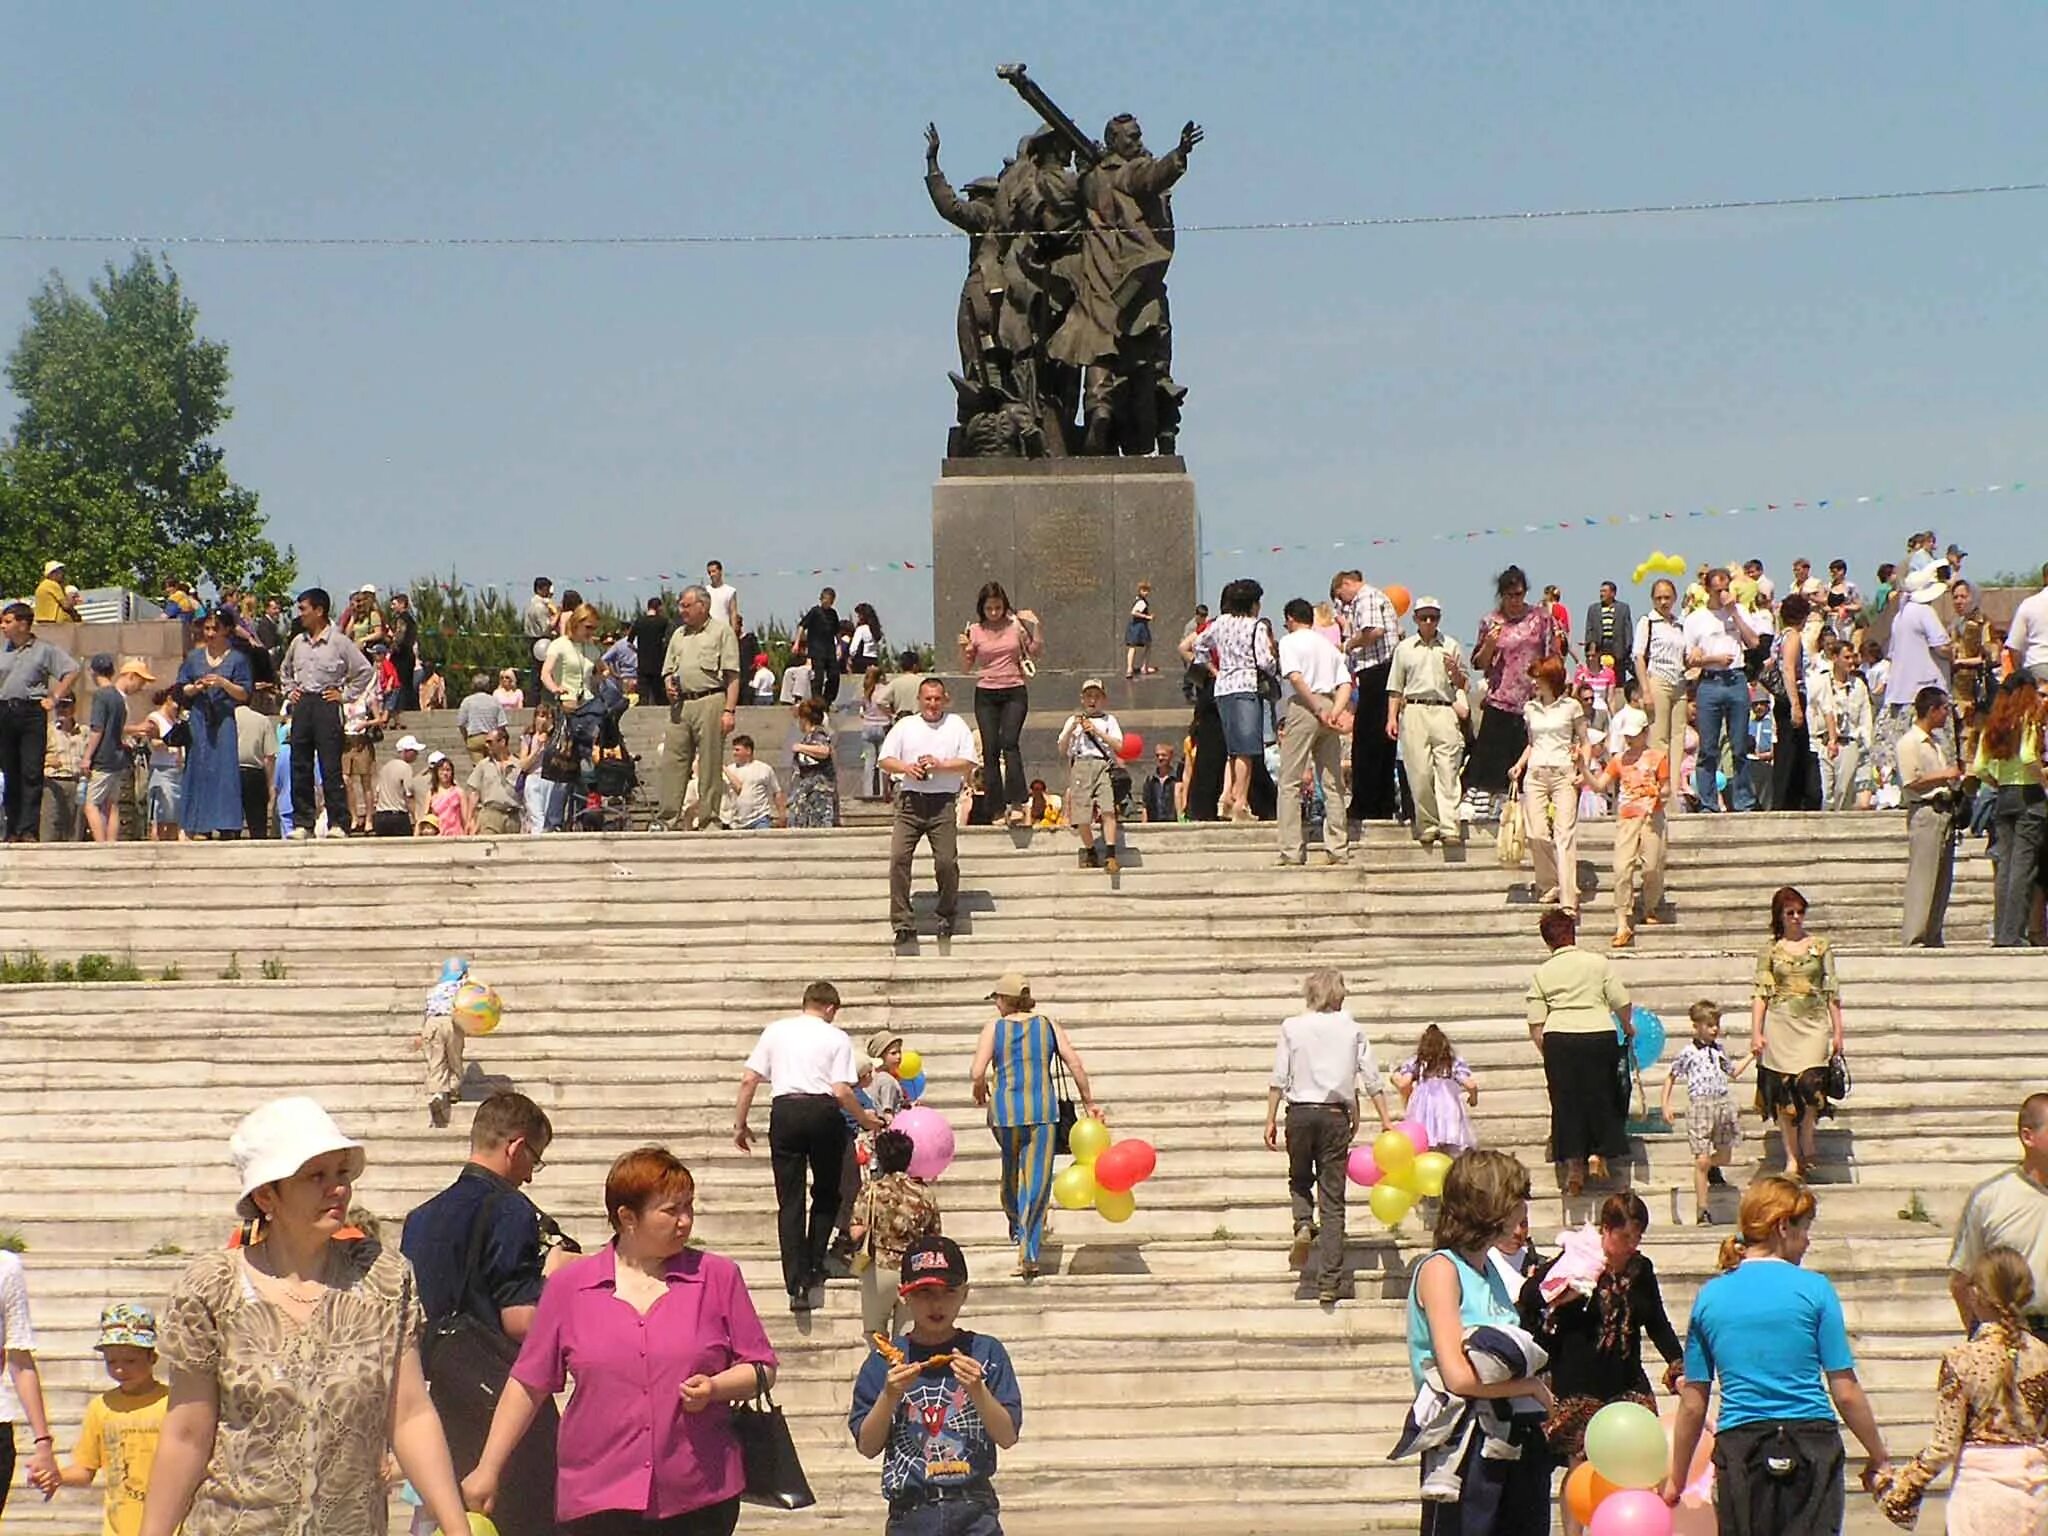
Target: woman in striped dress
{"x":1024,"y":1106}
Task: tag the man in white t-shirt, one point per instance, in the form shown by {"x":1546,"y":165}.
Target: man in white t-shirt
{"x":1091,"y":739}
{"x":796,"y":681}
{"x":21,"y":1384}
{"x":725,"y":600}
{"x":1916,"y":658}
{"x":1312,"y":733}
{"x":755,"y":794}
{"x":1715,"y":638}
{"x":928,"y":754}
{"x":2027,"y":640}
{"x":807,"y":1062}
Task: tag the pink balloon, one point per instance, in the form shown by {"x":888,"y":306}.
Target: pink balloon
{"x":1418,"y":1138}
{"x":931,"y":1140}
{"x":1631,"y":1512}
{"x":1362,"y":1168}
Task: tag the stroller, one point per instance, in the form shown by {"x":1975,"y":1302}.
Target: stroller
{"x":607,"y":775}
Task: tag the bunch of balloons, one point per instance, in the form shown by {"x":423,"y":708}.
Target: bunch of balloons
{"x":1103,"y":1175}
{"x":1614,"y":1492}
{"x":477,"y":1008}
{"x":1661,"y":564}
{"x":1649,"y":1036}
{"x":1398,"y":596}
{"x":931,"y":1140}
{"x":910,"y":1073}
{"x":1399,"y":1168}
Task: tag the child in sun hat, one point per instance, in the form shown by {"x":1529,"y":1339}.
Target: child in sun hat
{"x":122,"y":1425}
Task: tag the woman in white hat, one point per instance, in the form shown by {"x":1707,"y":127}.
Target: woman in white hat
{"x":294,"y":1361}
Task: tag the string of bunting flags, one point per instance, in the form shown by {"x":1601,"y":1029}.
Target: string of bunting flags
{"x":664,"y":580}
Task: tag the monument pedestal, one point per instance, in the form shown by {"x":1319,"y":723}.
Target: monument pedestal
{"x":1070,"y":539}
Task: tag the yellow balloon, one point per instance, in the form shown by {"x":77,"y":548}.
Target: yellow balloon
{"x":1674,"y":565}
{"x":1074,"y":1188}
{"x":480,"y":1525}
{"x":1394,"y":1153}
{"x":1429,"y":1173}
{"x":1642,"y":571}
{"x":1390,"y":1202}
{"x":911,"y":1065}
{"x":1088,"y":1141}
{"x":1115,"y":1205}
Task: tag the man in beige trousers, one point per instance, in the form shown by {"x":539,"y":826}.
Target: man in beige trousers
{"x":701,"y":675}
{"x":1422,"y":690}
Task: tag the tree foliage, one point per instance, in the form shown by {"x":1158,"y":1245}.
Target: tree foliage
{"x":112,"y":466}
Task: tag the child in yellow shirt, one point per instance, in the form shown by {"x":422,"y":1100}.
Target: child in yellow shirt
{"x":121,"y":1427}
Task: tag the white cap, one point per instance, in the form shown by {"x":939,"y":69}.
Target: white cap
{"x":1924,"y":586}
{"x":1426,"y":602}
{"x":436,"y":757}
{"x":1631,"y":722}
{"x":369,"y":587}
{"x":52,"y":567}
{"x":411,"y":744}
{"x":277,"y":1139}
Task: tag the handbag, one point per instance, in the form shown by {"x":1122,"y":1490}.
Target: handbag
{"x":1269,"y":682}
{"x":558,"y":764}
{"x":465,"y":1359}
{"x":1512,"y":842}
{"x":1063,"y":1090}
{"x":775,"y":1474}
{"x":1838,"y":1076}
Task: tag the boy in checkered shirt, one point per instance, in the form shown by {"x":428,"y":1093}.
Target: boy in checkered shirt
{"x":891,"y":1213}
{"x":1710,"y":1126}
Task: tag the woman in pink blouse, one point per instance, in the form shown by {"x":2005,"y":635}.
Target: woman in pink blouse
{"x":1512,"y":638}
{"x":661,"y":1339}
{"x":998,"y":649}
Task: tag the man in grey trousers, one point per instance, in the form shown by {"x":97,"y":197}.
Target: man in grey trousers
{"x":1928,"y":776}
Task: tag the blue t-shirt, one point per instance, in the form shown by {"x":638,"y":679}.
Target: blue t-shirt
{"x":1771,"y":1332}
{"x":938,"y":1439}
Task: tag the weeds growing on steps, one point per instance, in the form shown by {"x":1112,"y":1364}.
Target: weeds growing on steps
{"x":234,"y":970}
{"x":273,"y":969}
{"x":171,"y":972}
{"x":12,"y":1241}
{"x":1915,"y":1209}
{"x":29,"y":969}
{"x":163,"y":1248}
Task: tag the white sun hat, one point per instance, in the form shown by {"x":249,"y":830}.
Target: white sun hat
{"x":275,"y":1140}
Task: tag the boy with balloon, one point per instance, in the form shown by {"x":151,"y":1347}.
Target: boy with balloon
{"x":457,"y":1007}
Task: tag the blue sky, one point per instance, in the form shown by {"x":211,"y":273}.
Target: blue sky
{"x":631,"y":411}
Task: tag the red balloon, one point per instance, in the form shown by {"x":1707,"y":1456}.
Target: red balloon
{"x":1132,"y":747}
{"x":1115,"y":1171}
{"x":1142,"y":1157}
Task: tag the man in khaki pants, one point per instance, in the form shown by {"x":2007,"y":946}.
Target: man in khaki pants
{"x":701,"y":675}
{"x":1312,"y":733}
{"x":1422,"y":689}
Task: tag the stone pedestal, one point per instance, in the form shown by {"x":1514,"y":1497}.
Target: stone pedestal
{"x":1070,"y":539}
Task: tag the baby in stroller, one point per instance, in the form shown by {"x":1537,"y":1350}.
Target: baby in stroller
{"x":607,"y":775}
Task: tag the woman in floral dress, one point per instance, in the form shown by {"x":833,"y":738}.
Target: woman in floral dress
{"x":814,"y":789}
{"x":1795,"y":1027}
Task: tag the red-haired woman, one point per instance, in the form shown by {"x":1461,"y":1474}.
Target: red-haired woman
{"x":1548,"y":774}
{"x":662,"y":1339}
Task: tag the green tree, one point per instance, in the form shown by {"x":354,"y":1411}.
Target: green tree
{"x":111,"y":466}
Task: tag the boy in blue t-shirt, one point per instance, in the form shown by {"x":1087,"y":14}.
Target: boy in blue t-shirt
{"x":937,"y":1404}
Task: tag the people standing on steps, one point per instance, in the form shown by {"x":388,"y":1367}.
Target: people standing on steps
{"x":1462,"y":1286}
{"x":256,"y":761}
{"x":481,"y":1251}
{"x":1579,"y":1021}
{"x":866,"y":648}
{"x":1795,"y":771}
{"x":701,"y":680}
{"x":63,"y":775}
{"x":1370,"y":628}
{"x":1843,"y":725}
{"x":1929,"y":782}
{"x":1001,"y":648}
{"x":1795,"y":1028}
{"x":1640,"y":776}
{"x":1547,"y":776}
{"x":1424,"y":684}
{"x":1316,"y":720}
{"x":538,"y":625}
{"x":1771,"y":1333}
{"x":1711,"y":1127}
{"x":21,"y":1387}
{"x":214,"y":678}
{"x":1089,"y":740}
{"x":2010,"y":1210}
{"x":1660,"y":667}
{"x":1512,"y":638}
{"x":1716,"y":637}
{"x":648,"y":635}
{"x":1138,"y":634}
{"x":34,"y":674}
{"x":807,"y":1062}
{"x":723,"y":598}
{"x":1610,"y":631}
{"x":2012,"y":757}
{"x":1916,"y":658}
{"x":662,"y":1340}
{"x":573,"y":663}
{"x":397,"y":803}
{"x":928,"y":754}
{"x":1015,"y":1080}
{"x":321,"y":668}
{"x":294,"y":1361}
{"x":1322,"y":1068}
{"x":818,"y":634}
{"x":478,"y":715}
{"x":1239,"y":649}
{"x":2026,"y":638}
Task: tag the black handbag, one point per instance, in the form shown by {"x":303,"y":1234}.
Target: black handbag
{"x":775,"y":1474}
{"x":1063,"y":1090}
{"x":465,"y":1359}
{"x":1838,"y":1077}
{"x":1269,"y":682}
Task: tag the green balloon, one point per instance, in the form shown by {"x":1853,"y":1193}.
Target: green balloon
{"x":1626,"y":1445}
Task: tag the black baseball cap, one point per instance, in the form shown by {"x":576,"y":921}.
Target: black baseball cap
{"x":933,"y":1261}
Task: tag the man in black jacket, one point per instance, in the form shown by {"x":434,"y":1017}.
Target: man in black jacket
{"x":650,"y":644}
{"x":1610,"y":631}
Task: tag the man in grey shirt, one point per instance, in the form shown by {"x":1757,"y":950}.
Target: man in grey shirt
{"x":33,"y":675}
{"x":478,"y":715}
{"x":539,"y":625}
{"x":322,"y":666}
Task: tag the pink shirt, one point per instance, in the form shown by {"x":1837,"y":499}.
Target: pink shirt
{"x":625,"y":1441}
{"x":998,"y":654}
{"x":448,"y":810}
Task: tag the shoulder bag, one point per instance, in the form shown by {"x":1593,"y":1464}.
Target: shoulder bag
{"x":775,"y":1473}
{"x":1269,"y":682}
{"x":1063,"y":1091}
{"x":1838,"y":1077}
{"x":465,"y":1358}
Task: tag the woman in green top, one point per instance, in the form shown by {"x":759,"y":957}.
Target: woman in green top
{"x":1795,"y":1026}
{"x":2009,"y":757}
{"x":1580,"y":1021}
{"x":572,"y":667}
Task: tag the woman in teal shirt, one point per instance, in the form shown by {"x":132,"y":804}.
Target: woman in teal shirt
{"x":1772,"y":1333}
{"x":1459,"y":1287}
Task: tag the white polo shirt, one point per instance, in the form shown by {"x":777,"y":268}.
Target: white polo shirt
{"x":16,"y":1331}
{"x":949,"y":741}
{"x":1713,"y":635}
{"x":803,"y":1054}
{"x":2028,"y":637}
{"x":1320,"y":663}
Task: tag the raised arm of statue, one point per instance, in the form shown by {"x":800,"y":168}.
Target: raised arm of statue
{"x":975,"y":218}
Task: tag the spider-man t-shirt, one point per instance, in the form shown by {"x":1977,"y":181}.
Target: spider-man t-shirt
{"x":938,"y":1439}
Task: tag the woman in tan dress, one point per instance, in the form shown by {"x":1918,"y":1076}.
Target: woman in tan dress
{"x":1990,"y":1415}
{"x":1795,"y":1026}
{"x":295,"y":1361}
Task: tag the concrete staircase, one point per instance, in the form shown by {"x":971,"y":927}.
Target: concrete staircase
{"x":1170,"y":1364}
